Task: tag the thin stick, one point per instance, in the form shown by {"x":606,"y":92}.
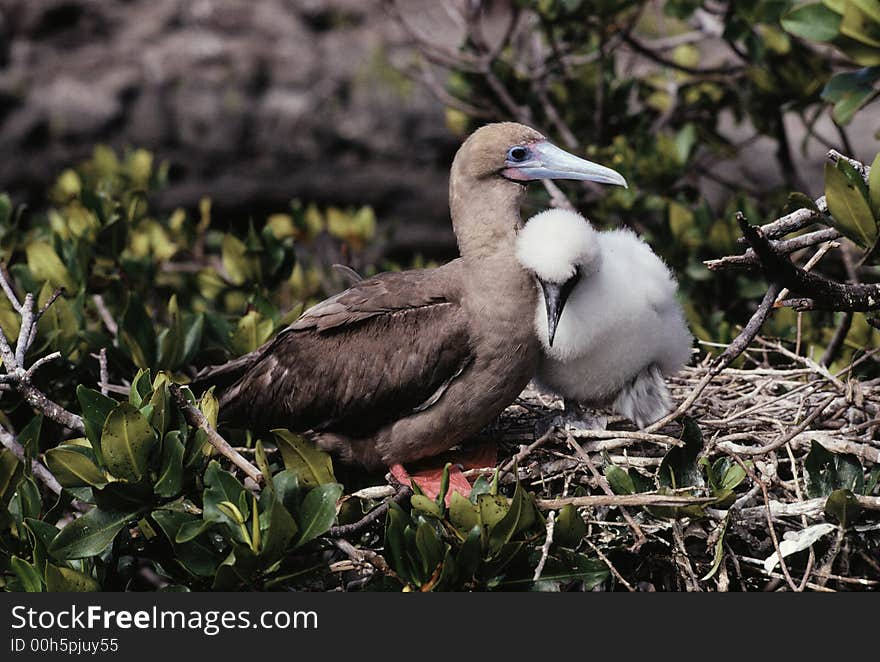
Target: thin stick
{"x":41,"y":472}
{"x":545,"y":548}
{"x":345,"y":530}
{"x":640,"y":536}
{"x":636,"y":500}
{"x":197,"y":419}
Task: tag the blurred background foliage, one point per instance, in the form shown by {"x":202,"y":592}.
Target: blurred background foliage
{"x":668,"y":93}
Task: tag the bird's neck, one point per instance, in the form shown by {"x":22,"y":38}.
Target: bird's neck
{"x":485,"y":217}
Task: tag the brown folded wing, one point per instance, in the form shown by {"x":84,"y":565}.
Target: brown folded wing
{"x":381,"y":350}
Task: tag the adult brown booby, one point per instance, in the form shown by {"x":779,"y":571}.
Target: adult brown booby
{"x":405,"y":365}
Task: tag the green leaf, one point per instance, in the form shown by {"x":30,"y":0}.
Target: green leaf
{"x":137,"y":333}
{"x":59,"y":325}
{"x":41,"y":534}
{"x":426,"y":505}
{"x":171,"y":341}
{"x":250,"y":333}
{"x":198,"y":556}
{"x":468,"y":559}
{"x":95,"y":410}
{"x":860,"y":22}
{"x":45,"y":265}
{"x":570,"y":527}
{"x":519,"y":516}
{"x":221,"y":486}
{"x":68,"y":580}
{"x":10,"y":473}
{"x":850,"y":91}
{"x":679,"y":466}
{"x":170,"y":480}
{"x":240,"y":266}
{"x":619,"y":480}
{"x":827,"y":472}
{"x":493,"y":508}
{"x":27,"y":575}
{"x":317,"y":512}
{"x":26,"y":501}
{"x":5,"y":210}
{"x":814,"y":21}
{"x":843,"y":506}
{"x":395,"y":541}
{"x":90,"y":534}
{"x":849,"y":210}
{"x":311,"y":466}
{"x":462,"y":513}
{"x":126,"y":441}
{"x":280,"y":531}
{"x":73,"y":466}
{"x":160,"y":401}
{"x":430,"y":548}
{"x":874,"y":184}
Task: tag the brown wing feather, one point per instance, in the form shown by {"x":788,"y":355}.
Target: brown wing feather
{"x":359,"y":360}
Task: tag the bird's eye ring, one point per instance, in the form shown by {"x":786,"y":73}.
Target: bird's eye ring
{"x":518,"y":153}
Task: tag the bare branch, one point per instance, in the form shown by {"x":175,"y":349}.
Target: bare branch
{"x":197,"y":419}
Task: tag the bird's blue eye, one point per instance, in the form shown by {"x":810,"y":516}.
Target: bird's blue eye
{"x":518,"y":153}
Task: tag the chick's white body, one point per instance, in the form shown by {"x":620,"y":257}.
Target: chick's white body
{"x":621,"y":330}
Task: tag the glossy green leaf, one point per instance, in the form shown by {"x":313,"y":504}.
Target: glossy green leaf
{"x":463,"y":514}
{"x":849,"y":210}
{"x":430,"y":548}
{"x":311,"y":466}
{"x":396,"y":522}
{"x":138,"y":334}
{"x":679,"y":466}
{"x":27,"y":575}
{"x":570,"y":527}
{"x":73,"y":466}
{"x":874,"y":183}
{"x":222,"y":487}
{"x":171,"y":341}
{"x":827,"y":472}
{"x":619,"y":480}
{"x":197,"y":555}
{"x":519,"y":516}
{"x":67,"y":580}
{"x":90,"y":534}
{"x":170,"y":479}
{"x":814,"y":21}
{"x":10,"y":472}
{"x":95,"y":410}
{"x":45,"y":265}
{"x":126,"y":442}
{"x":843,"y":506}
{"x":861,"y":23}
{"x":280,"y":531}
{"x":318,"y":511}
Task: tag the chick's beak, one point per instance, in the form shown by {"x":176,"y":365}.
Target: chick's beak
{"x":555,"y":296}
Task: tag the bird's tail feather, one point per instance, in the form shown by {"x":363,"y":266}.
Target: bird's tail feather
{"x":645,"y":399}
{"x":223,"y":375}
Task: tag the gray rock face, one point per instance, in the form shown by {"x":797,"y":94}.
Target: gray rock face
{"x":255,"y":102}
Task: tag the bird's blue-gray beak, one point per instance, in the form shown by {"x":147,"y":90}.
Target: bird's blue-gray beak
{"x":544,"y":160}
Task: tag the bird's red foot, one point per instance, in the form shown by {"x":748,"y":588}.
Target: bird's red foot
{"x":428,"y":477}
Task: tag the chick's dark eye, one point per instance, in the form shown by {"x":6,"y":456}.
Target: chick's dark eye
{"x":518,"y":153}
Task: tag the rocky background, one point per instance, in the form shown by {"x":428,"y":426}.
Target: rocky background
{"x":257,"y":102}
{"x":254,"y":103}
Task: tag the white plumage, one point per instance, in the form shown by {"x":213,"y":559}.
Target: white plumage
{"x":620,"y":330}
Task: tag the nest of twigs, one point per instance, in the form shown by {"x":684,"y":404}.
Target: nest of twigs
{"x":767,"y":418}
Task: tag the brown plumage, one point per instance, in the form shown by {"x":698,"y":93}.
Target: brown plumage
{"x":405,"y":365}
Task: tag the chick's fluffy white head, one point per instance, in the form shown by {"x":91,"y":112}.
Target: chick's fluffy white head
{"x":554,"y":243}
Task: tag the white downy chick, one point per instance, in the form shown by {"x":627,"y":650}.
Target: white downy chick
{"x":607,"y":316}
